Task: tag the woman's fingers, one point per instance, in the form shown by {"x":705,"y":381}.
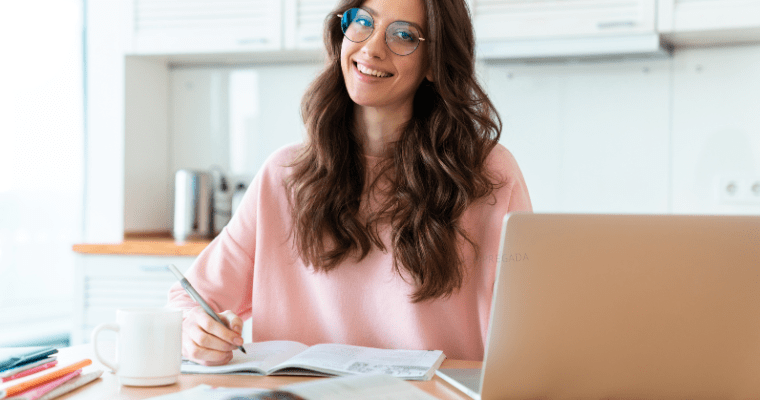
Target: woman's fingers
{"x":206,"y":341}
{"x":202,"y":334}
{"x":221,"y":331}
{"x":205,"y":356}
{"x":232,"y":320}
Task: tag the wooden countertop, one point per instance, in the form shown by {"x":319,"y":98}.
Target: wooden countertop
{"x":153,"y":244}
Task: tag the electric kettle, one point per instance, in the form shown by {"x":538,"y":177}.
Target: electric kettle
{"x":193,"y":206}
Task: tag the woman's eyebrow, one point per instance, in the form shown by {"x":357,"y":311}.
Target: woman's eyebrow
{"x":373,"y":13}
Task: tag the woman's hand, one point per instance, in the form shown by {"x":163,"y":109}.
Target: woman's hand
{"x":208,"y":342}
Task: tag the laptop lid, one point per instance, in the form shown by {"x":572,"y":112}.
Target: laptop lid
{"x":625,"y":306}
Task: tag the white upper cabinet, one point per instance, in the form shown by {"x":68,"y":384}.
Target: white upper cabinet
{"x":304,"y":22}
{"x":203,"y":26}
{"x":708,"y":22}
{"x":505,"y":29}
{"x":560,"y":28}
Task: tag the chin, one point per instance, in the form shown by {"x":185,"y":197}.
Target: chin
{"x":365,"y":101}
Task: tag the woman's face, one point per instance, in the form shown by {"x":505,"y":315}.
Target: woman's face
{"x":377,"y":77}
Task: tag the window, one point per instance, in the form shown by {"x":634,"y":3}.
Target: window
{"x":41,"y":167}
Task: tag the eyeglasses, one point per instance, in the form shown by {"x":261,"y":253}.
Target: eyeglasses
{"x":401,"y":37}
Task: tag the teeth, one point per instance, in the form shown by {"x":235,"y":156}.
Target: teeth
{"x":372,"y":72}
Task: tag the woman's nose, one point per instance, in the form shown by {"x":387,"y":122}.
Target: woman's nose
{"x":375,"y":46}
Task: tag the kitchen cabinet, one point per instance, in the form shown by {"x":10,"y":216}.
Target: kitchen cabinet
{"x":509,"y":29}
{"x":303,"y":22}
{"x":133,"y":273}
{"x":202,"y":26}
{"x":197,"y":27}
{"x":709,"y":22}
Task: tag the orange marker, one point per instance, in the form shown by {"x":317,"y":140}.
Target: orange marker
{"x":24,"y":386}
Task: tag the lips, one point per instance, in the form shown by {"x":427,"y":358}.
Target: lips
{"x":372,"y":72}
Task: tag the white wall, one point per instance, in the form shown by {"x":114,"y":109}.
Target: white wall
{"x":652,"y":136}
{"x":620,"y":136}
{"x":716,"y":129}
{"x":235,"y":118}
{"x":590,"y":137}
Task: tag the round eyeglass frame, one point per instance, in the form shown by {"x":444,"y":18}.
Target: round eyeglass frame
{"x":344,"y":24}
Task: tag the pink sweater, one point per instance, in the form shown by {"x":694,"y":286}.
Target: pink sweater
{"x":251,"y":268}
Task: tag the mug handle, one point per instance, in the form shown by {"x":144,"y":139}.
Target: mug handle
{"x":109,"y":327}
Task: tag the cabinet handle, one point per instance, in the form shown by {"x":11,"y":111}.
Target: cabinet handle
{"x":155,"y":268}
{"x":246,"y":41}
{"x":616,"y":24}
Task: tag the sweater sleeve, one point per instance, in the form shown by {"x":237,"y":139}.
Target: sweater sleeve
{"x":503,"y":163}
{"x":510,"y":196}
{"x":519,"y":198}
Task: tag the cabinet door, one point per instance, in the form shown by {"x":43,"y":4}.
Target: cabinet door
{"x":203,"y":26}
{"x":304,"y":23}
{"x":547,"y":28}
{"x":704,"y":22}
{"x":519,"y":19}
{"x":106,"y":283}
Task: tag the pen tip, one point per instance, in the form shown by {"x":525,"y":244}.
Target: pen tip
{"x":243,"y":350}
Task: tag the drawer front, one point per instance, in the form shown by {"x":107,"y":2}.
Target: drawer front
{"x":204,"y":26}
{"x":112,"y":282}
{"x":147,"y":267}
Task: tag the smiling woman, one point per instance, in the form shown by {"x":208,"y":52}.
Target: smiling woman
{"x":41,"y":156}
{"x":379,"y":230}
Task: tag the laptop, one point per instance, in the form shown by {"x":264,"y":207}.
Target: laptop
{"x":622,"y":306}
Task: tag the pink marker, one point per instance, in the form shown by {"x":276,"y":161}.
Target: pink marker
{"x":30,"y":371}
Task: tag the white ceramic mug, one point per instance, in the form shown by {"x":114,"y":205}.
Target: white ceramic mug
{"x":148,"y":348}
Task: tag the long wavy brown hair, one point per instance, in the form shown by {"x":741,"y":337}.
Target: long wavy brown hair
{"x":436,"y":169}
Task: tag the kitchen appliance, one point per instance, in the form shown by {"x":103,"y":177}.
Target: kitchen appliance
{"x":193,"y":205}
{"x":222,"y":200}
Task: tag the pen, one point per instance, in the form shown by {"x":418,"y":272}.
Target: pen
{"x":197,"y":297}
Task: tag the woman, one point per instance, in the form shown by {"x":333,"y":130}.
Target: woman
{"x":382,"y":229}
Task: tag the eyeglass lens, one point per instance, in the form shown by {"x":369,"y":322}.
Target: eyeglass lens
{"x":401,"y":37}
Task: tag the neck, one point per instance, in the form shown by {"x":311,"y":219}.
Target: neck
{"x":378,"y":128}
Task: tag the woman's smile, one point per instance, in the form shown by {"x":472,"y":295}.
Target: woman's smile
{"x":371,"y":71}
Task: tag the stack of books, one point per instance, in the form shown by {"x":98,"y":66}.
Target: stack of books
{"x":33,"y":373}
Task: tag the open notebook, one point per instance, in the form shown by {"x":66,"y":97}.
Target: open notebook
{"x":282,"y":357}
{"x":623,"y":306}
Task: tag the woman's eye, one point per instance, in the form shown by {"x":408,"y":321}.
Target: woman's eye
{"x":405,"y":36}
{"x":363,"y":22}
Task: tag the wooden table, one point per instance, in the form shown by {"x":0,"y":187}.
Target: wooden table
{"x":107,"y":387}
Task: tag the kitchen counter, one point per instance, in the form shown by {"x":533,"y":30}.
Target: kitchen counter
{"x":155,"y":244}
